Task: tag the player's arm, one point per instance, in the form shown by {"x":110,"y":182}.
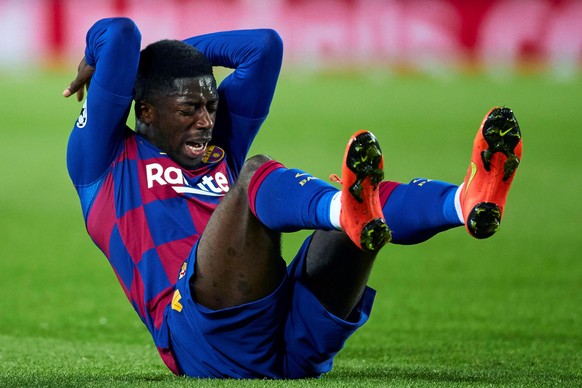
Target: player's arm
{"x":255,"y":56}
{"x":246,"y":94}
{"x":109,"y":67}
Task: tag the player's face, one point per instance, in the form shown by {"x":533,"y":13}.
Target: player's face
{"x":182,"y":122}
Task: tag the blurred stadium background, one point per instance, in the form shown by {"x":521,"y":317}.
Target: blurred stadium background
{"x":427,"y":35}
{"x":420,"y":74}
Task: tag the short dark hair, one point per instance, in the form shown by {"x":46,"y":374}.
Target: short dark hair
{"x":162,"y":62}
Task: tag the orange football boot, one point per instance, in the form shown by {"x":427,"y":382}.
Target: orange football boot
{"x":361,"y":215}
{"x":496,"y":155}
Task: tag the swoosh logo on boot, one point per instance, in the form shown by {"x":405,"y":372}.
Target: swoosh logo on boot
{"x":471,"y":177}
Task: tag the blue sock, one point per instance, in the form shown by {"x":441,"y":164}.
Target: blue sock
{"x":288,"y":200}
{"x":419,"y":210}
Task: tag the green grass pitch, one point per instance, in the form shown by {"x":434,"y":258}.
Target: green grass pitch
{"x":453,"y":311}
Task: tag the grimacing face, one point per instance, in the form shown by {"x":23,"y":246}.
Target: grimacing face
{"x":181,"y":123}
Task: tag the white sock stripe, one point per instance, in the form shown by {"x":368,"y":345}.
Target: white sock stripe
{"x":458,"y":207}
{"x":335,"y":208}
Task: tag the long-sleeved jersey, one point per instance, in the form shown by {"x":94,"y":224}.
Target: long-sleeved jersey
{"x":141,"y":208}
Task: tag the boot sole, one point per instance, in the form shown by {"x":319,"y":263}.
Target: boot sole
{"x":502,"y":134}
{"x":363,"y":159}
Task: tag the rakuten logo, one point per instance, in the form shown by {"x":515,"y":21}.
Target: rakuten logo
{"x":211,"y":185}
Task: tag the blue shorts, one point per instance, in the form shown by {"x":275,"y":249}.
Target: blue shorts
{"x":287,"y":334}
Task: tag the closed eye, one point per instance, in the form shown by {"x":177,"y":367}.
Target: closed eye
{"x":211,"y":107}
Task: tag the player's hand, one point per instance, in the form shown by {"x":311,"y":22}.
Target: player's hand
{"x":84,"y":74}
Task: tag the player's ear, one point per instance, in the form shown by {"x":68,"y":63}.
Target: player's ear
{"x":144,"y":111}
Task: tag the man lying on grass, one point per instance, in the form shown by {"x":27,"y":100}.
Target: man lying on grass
{"x":192,"y":227}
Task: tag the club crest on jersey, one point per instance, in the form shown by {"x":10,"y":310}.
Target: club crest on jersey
{"x":183,"y":270}
{"x":214,"y":154}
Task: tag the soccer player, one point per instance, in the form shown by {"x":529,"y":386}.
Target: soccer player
{"x":192,"y":227}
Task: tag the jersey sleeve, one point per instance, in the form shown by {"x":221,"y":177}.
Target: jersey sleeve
{"x":246,"y":94}
{"x":113,"y":47}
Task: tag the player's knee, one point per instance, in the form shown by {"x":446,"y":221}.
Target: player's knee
{"x":254,"y":162}
{"x":249,"y":168}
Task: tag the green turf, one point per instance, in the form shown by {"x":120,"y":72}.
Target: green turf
{"x":452,"y":311}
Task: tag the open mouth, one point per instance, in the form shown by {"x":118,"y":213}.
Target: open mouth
{"x":195,"y":149}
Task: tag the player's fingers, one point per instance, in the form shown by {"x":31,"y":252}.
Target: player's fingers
{"x":84,"y":74}
{"x":67,"y":92}
{"x":73,"y":88}
{"x":80,"y":94}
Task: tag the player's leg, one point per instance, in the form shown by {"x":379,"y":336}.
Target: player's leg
{"x":231,"y":301}
{"x":238,"y":259}
{"x":237,"y":279}
{"x":290,"y":199}
{"x":420,"y":209}
{"x":337,"y":272}
{"x":330,"y":300}
{"x":338,"y":264}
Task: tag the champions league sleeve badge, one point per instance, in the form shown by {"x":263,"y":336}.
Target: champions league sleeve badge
{"x":82,"y":120}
